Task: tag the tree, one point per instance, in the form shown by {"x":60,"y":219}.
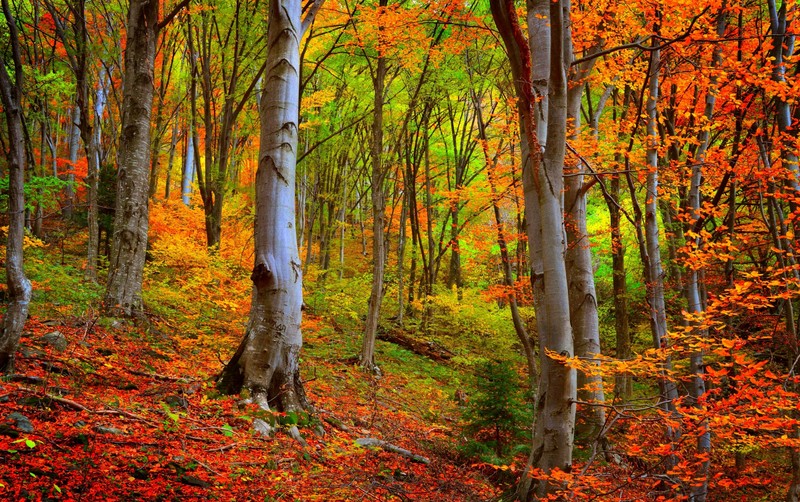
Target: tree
{"x":378,"y":175}
{"x":19,"y":287}
{"x":555,"y":420}
{"x":224,"y":60}
{"x":267,"y":360}
{"x":129,"y":245}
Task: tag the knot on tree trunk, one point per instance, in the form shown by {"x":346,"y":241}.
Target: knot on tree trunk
{"x":261,"y":274}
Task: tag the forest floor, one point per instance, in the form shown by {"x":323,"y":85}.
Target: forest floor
{"x":131,"y":413}
{"x":105,"y":409}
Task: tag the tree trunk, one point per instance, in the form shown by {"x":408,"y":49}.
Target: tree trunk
{"x":188,"y":166}
{"x":19,"y":287}
{"x":580,"y":272}
{"x":74,"y":136}
{"x":543,"y":184}
{"x":171,"y":160}
{"x":650,"y":247}
{"x":558,"y":413}
{"x":267,"y":361}
{"x":367,"y":357}
{"x":623,"y":388}
{"x":126,"y":264}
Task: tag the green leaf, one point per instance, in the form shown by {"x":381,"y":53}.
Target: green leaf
{"x":30,"y":443}
{"x":227,"y":430}
{"x":57,"y":488}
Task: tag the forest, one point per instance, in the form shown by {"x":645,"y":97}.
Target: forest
{"x":400,"y":250}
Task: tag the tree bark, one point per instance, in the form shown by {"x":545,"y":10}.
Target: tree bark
{"x":129,"y":245}
{"x":74,"y":136}
{"x":543,"y":180}
{"x":580,"y":272}
{"x":267,"y":361}
{"x":19,"y":287}
{"x":176,"y":133}
{"x":367,"y":357}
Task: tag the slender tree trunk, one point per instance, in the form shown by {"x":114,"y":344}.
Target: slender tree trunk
{"x":580,"y":272}
{"x":267,"y":362}
{"x":401,"y":254}
{"x":19,"y":287}
{"x":93,"y":189}
{"x":367,"y":357}
{"x":622,"y":383}
{"x":343,"y":220}
{"x":126,"y":264}
{"x":176,"y":132}
{"x":74,"y":145}
{"x":651,"y":248}
{"x":188,"y":166}
{"x":155,"y":157}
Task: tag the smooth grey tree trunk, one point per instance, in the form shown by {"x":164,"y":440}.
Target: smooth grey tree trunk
{"x":126,"y":264}
{"x":580,"y":272}
{"x":695,"y":304}
{"x":651,"y":256}
{"x":19,"y":287}
{"x":188,"y":167}
{"x":558,"y":413}
{"x":267,"y":362}
{"x":543,"y":178}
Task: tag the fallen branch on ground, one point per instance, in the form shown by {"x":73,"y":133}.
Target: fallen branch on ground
{"x":393,"y":449}
{"x":430,"y":350}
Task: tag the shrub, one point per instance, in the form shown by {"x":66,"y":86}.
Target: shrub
{"x":497,"y":416}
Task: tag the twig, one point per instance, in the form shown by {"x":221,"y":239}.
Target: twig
{"x":123,"y":413}
{"x":206,"y":467}
{"x":223,"y":448}
{"x":158,"y":376}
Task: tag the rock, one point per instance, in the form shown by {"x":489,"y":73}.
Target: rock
{"x":262,"y":427}
{"x":193,"y":481}
{"x":141,"y":473}
{"x":56,"y":340}
{"x":192,"y":388}
{"x":176,"y":401}
{"x":21,"y":422}
{"x":30,"y":352}
{"x":105,"y":352}
{"x":102,"y":429}
{"x":55,"y":368}
{"x":34,"y":401}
